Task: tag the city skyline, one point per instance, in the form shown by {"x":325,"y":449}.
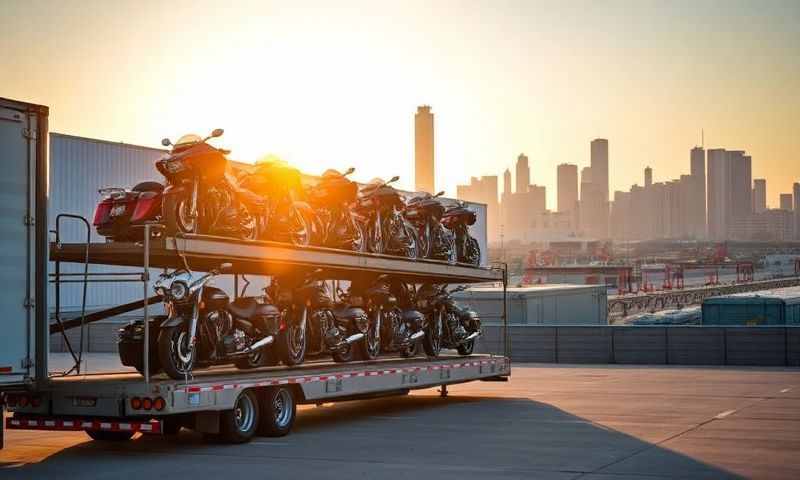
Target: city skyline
{"x":332,"y":85}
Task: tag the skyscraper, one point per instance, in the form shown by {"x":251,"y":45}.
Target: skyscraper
{"x":423,"y":150}
{"x":786,"y":201}
{"x":759,"y":195}
{"x":507,"y":182}
{"x":484,"y":190}
{"x":567,"y":179}
{"x":719,"y":185}
{"x":697,"y":159}
{"x":742,"y":184}
{"x":648,"y":176}
{"x":599,"y":162}
{"x":523,"y":173}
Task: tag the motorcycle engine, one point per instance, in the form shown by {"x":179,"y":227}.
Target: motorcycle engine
{"x":222,"y":321}
{"x":235,"y":342}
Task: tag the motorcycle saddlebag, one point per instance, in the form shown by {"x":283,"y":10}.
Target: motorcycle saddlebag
{"x":130,"y":343}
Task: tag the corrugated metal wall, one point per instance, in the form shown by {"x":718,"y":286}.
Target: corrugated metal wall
{"x":78,"y":168}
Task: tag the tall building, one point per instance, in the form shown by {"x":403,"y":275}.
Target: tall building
{"x":718,"y":193}
{"x":759,"y":195}
{"x":741,"y":183}
{"x":507,"y":182}
{"x":423,"y":150}
{"x":697,"y":170}
{"x":567,"y":187}
{"x":648,"y":177}
{"x":599,"y":163}
{"x":523,"y":173}
{"x":786,"y":201}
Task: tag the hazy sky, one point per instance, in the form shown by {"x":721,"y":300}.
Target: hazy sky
{"x":336,"y":83}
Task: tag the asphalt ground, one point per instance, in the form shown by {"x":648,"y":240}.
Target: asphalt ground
{"x":548,"y":421}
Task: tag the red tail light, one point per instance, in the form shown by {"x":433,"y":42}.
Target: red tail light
{"x":136,"y":403}
{"x":159,"y":404}
{"x":148,"y":206}
{"x":102,"y":212}
{"x":147,"y":403}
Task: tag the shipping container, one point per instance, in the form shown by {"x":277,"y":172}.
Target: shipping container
{"x":769,"y":307}
{"x":558,"y":304}
{"x":23,"y":242}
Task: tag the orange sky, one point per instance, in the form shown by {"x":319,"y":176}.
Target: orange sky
{"x":335,"y":84}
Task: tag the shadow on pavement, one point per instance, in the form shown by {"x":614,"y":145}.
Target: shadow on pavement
{"x":415,"y":437}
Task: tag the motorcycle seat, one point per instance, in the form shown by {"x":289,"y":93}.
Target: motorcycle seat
{"x":348,"y":312}
{"x":248,"y":307}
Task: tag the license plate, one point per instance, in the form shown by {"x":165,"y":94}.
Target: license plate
{"x":84,"y":401}
{"x":118,"y":210}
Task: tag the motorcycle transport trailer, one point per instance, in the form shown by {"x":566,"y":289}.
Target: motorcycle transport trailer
{"x":220,"y":401}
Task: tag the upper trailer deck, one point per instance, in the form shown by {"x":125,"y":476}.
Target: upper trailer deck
{"x":204,"y":253}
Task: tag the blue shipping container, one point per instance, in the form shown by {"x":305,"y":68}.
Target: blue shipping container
{"x":769,"y":307}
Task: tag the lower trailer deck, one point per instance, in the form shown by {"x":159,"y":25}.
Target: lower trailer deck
{"x":108,"y":396}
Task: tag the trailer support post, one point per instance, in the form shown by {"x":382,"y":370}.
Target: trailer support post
{"x":145,"y":281}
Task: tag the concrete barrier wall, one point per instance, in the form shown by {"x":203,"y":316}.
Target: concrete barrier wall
{"x":675,"y":345}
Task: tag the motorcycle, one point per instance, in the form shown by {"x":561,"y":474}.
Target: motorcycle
{"x":120,"y":212}
{"x":321,"y":325}
{"x":200,"y":197}
{"x":393,"y":326}
{"x":380,"y":207}
{"x":449,"y":325}
{"x":332,"y":199}
{"x":425,"y":212}
{"x":279,"y":204}
{"x":203,"y":327}
{"x":458,"y":219}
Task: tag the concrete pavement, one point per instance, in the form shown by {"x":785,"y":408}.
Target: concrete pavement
{"x":549,"y":421}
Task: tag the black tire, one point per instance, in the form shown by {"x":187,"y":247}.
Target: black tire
{"x":359,"y":235}
{"x":278,"y":411}
{"x":155,"y":368}
{"x":375,"y":235}
{"x":370,"y":346}
{"x":173,"y":211}
{"x":239,"y":425}
{"x":466,"y":348}
{"x":473,"y":251}
{"x":302,"y":219}
{"x":171,"y":424}
{"x":293,"y":340}
{"x":254,"y":360}
{"x":148,"y":187}
{"x":169,"y":340}
{"x":425,"y":241}
{"x":108,"y":436}
{"x":432,"y":341}
{"x":248,"y":223}
{"x":412,"y":249}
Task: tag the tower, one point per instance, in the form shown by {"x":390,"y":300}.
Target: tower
{"x":523,"y":174}
{"x":423,"y":150}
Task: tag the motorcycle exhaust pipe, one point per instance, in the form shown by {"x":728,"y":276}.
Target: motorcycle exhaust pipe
{"x":472,"y":336}
{"x":261,"y":343}
{"x":353,"y":338}
{"x":416,"y":335}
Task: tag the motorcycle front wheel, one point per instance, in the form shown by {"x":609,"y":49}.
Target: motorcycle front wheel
{"x":370,"y":347}
{"x":432,"y":341}
{"x":293,"y":340}
{"x":177,"y":215}
{"x":299,"y":226}
{"x":174,"y":352}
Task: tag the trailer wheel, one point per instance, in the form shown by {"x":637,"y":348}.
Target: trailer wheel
{"x":278,"y":411}
{"x":108,"y":436}
{"x":240,"y":424}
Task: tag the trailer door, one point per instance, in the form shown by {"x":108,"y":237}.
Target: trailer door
{"x":17,"y":237}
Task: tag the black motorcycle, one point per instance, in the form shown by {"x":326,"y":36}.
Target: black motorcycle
{"x":319,"y":324}
{"x":458,"y":219}
{"x":380,"y":207}
{"x":425,"y":212}
{"x":332,"y":199}
{"x":395,"y":327}
{"x":449,"y":325}
{"x":200,"y":196}
{"x":203,"y":327}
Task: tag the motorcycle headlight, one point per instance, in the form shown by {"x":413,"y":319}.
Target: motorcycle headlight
{"x":179,"y":290}
{"x":173,"y":166}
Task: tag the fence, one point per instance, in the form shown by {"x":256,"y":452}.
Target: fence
{"x":669,"y":345}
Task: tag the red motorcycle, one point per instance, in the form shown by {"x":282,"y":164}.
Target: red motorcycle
{"x":200,"y":197}
{"x":332,"y":199}
{"x":121,"y":213}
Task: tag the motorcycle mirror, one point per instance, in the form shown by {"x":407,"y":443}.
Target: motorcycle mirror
{"x":226,"y":267}
{"x":393,"y":179}
{"x":166,"y":142}
{"x":217,"y":132}
{"x":349,"y":171}
{"x":439,"y":194}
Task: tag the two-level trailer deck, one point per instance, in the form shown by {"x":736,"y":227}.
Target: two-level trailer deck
{"x":224,"y":400}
